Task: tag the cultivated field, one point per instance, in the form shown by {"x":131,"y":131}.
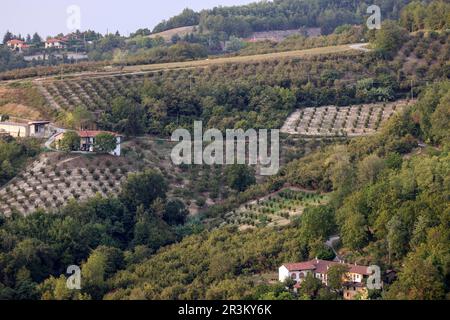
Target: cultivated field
{"x":274,"y":210}
{"x":341,"y":121}
{"x":53,"y":179}
{"x":95,"y":91}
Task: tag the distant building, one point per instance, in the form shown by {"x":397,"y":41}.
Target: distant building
{"x":354,"y":282}
{"x":56,"y":43}
{"x":87,"y":142}
{"x":38,"y":129}
{"x":17,"y":45}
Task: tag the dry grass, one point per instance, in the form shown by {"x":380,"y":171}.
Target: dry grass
{"x":168,"y":34}
{"x":23,"y":101}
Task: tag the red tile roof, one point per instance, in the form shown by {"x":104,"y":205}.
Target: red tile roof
{"x":321,"y":266}
{"x":300,"y":266}
{"x":15,"y":41}
{"x":93,"y":133}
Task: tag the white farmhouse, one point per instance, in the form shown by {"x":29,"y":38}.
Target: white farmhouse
{"x":354,"y":280}
{"x":87,"y":142}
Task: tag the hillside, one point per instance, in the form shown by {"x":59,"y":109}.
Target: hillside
{"x":168,"y":34}
{"x":280,"y":15}
{"x":361,"y":164}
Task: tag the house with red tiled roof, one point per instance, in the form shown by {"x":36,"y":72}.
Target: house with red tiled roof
{"x":56,"y":43}
{"x":17,"y":45}
{"x":87,"y":141}
{"x":353,"y":283}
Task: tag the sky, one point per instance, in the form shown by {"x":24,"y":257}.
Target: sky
{"x":49,"y":17}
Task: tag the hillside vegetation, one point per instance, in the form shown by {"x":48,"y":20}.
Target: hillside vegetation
{"x":141,"y":227}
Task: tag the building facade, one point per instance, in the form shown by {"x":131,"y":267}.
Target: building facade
{"x":17,"y":45}
{"x":87,"y":141}
{"x":55,"y":43}
{"x":354,"y":281}
{"x":38,"y":129}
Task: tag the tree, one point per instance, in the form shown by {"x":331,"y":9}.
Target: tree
{"x":144,"y":188}
{"x":369,"y":168}
{"x":80,"y":118}
{"x":235,"y":44}
{"x":105,"y":143}
{"x":240,"y":177}
{"x":317,"y":222}
{"x":175,"y":213}
{"x":389,"y":38}
{"x":310,"y":286}
{"x":36,"y":40}
{"x":8,"y":36}
{"x":397,"y":238}
{"x":6,"y":170}
{"x":418,"y":280}
{"x":70,"y":141}
{"x":336,"y":276}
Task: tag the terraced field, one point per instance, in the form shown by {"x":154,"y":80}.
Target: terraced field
{"x":95,"y":90}
{"x":274,"y":210}
{"x":92,"y":93}
{"x":341,"y":121}
{"x":53,"y":179}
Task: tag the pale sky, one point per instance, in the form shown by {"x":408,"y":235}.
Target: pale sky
{"x":49,"y":17}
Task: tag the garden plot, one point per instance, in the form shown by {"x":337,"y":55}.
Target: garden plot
{"x":355,"y":120}
{"x":52,"y":180}
{"x":274,"y":210}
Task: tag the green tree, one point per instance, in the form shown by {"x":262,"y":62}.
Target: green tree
{"x":175,"y":212}
{"x":310,"y":286}
{"x":6,"y":171}
{"x":240,"y":177}
{"x":389,"y":38}
{"x":7,"y":37}
{"x":144,"y":188}
{"x":317,"y":223}
{"x":70,"y":141}
{"x":419,"y":280}
{"x":105,"y":143}
{"x":336,"y":276}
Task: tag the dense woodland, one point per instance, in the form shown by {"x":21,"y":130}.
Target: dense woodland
{"x":389,"y":192}
{"x":281,"y":15}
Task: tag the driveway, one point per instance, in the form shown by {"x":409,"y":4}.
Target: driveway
{"x":48,"y":143}
{"x":360,"y":47}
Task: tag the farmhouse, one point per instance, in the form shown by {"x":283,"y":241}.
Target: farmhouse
{"x":87,"y":141}
{"x":354,"y":282}
{"x":56,"y":43}
{"x":17,"y":45}
{"x":38,"y":129}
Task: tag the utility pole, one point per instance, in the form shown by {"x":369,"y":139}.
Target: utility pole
{"x":412,"y":90}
